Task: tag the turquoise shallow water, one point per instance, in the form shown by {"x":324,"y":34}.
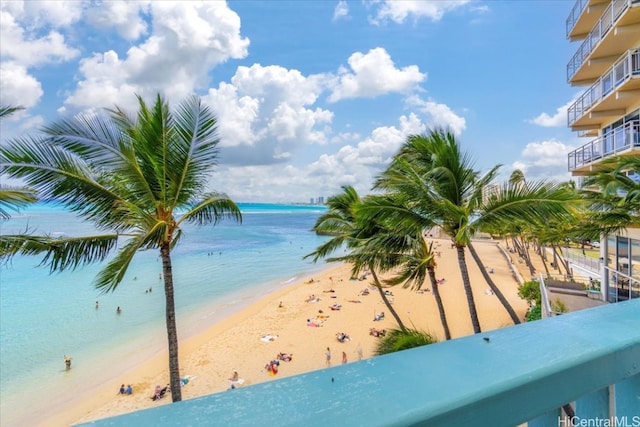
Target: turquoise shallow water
{"x":44,"y":316}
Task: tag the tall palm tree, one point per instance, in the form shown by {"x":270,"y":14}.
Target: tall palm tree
{"x":137,"y":178}
{"x":340,"y":222}
{"x":447,"y":191}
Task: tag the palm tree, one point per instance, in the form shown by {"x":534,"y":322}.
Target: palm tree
{"x":137,"y":178}
{"x":402,"y":236}
{"x":446,"y":191}
{"x":341,"y":222}
{"x":415,"y":265}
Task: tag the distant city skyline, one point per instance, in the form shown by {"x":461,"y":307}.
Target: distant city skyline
{"x":323,"y":101}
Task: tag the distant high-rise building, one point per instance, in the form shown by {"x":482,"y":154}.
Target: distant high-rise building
{"x":311,"y":201}
{"x":607,"y":64}
{"x":321,"y":200}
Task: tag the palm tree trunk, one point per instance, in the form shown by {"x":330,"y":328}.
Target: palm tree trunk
{"x":376,"y":282}
{"x":436,"y":295}
{"x":560,"y":261}
{"x":543,"y":256}
{"x":527,"y":259}
{"x":172,"y":331}
{"x":493,"y":286}
{"x":467,"y":289}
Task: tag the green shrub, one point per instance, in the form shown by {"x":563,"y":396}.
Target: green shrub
{"x":534,"y":313}
{"x":530,"y":292}
{"x":397,"y":340}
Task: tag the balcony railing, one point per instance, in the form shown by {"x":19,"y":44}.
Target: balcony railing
{"x":577,"y":10}
{"x":625,"y":67}
{"x":604,"y":24}
{"x":609,"y":144}
{"x":576,"y":257}
{"x":504,"y":377}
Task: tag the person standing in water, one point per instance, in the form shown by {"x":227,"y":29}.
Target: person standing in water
{"x":67,"y":361}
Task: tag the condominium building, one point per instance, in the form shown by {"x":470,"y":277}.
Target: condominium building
{"x":607,"y":64}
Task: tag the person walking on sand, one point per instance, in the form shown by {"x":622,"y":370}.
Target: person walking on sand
{"x":328,"y":356}
{"x":344,"y":358}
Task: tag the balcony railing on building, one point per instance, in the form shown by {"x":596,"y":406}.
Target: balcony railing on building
{"x":614,"y":142}
{"x":577,"y":10}
{"x":602,"y":27}
{"x":626,"y":67}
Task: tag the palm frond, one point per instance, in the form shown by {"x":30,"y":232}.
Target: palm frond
{"x":213,"y":208}
{"x":15,"y":198}
{"x":112,"y":274}
{"x":7,"y":110}
{"x":59,"y":253}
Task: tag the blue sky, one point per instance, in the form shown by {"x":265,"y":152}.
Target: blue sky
{"x":310,"y":95}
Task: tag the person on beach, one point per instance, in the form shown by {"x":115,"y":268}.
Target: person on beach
{"x":122,"y":389}
{"x":118,"y":310}
{"x":328,"y":356}
{"x":67,"y":361}
{"x":344,"y":358}
{"x":234,"y":377}
{"x":129,"y":389}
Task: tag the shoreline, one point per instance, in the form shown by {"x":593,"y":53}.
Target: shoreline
{"x":231,"y":343}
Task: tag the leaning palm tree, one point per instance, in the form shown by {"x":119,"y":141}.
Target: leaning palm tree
{"x":139,"y":179}
{"x":415,"y":258}
{"x":340,"y":222}
{"x":447,"y":191}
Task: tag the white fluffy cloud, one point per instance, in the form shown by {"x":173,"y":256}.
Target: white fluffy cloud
{"x":354,"y":164}
{"x":373,"y":74}
{"x":265,"y":114}
{"x":559,"y":119}
{"x":440,"y":115}
{"x":187,"y":40}
{"x":17,"y":87}
{"x":124,"y":16}
{"x":341,"y":11}
{"x":37,"y":14}
{"x":30,"y":48}
{"x":544,"y":160}
{"x":399,"y":11}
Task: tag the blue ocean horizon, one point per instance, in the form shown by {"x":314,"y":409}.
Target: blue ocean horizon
{"x":217,"y":270}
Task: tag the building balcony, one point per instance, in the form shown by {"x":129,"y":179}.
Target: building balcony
{"x":622,"y":140}
{"x":615,"y":31}
{"x":504,"y":377}
{"x":583,"y":16}
{"x":610,"y":96}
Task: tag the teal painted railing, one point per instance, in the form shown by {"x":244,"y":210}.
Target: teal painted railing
{"x":505,"y":377}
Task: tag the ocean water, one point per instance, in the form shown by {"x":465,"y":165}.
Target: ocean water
{"x":45,"y":316}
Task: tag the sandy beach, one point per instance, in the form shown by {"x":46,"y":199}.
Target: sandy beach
{"x":249,"y":339}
